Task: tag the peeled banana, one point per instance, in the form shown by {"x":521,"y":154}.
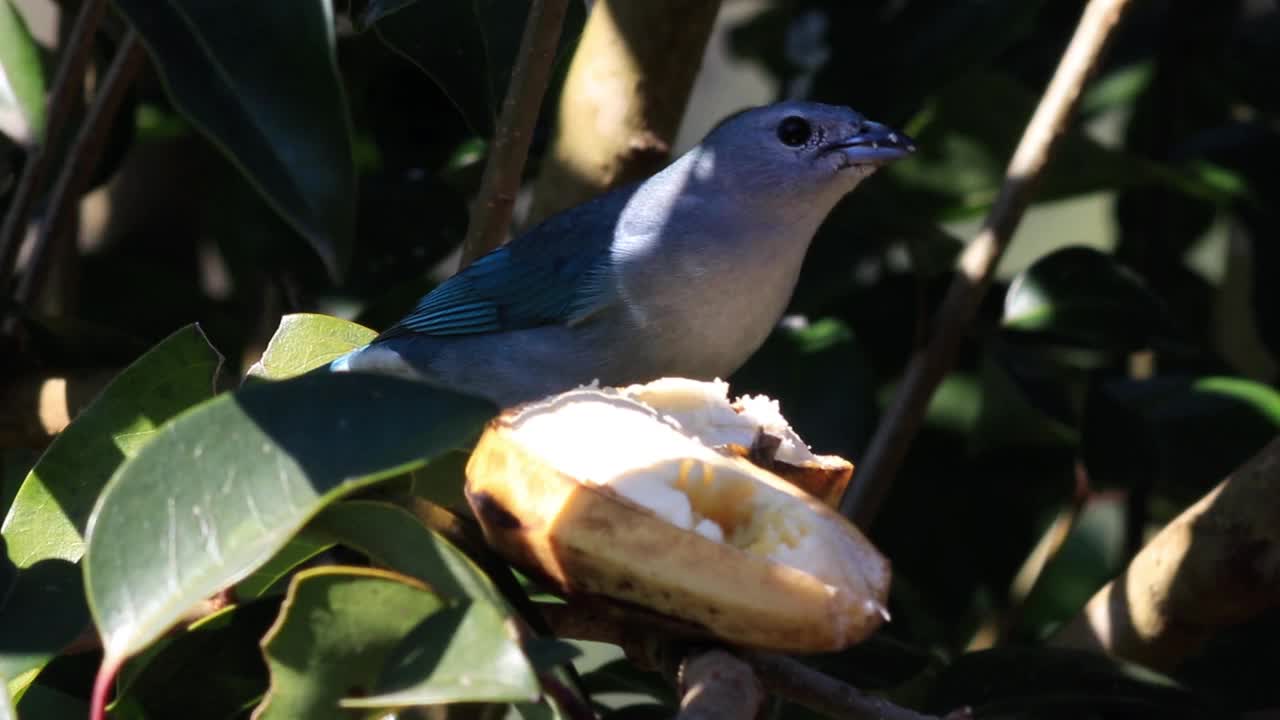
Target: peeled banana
{"x":643,"y":495}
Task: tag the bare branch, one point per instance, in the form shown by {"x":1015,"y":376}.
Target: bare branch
{"x":82,"y":158}
{"x":67,"y":85}
{"x":977,"y":264}
{"x":491,"y":212}
{"x":789,"y":678}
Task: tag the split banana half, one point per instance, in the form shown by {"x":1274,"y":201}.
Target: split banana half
{"x":646,"y":495}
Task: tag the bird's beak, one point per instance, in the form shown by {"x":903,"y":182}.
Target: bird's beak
{"x":874,"y":144}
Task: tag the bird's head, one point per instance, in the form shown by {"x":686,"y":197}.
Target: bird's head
{"x":792,"y":149}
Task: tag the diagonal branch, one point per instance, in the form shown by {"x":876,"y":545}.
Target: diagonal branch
{"x":82,"y":158}
{"x":491,"y":213}
{"x":67,"y":85}
{"x":889,"y":445}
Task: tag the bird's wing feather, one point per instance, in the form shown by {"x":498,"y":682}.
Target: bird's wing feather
{"x":557,"y":273}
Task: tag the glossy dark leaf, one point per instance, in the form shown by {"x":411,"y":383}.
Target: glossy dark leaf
{"x":260,"y":80}
{"x":467,"y":47}
{"x":255,"y":466}
{"x":49,"y":513}
{"x":1182,"y":434}
{"x":1028,"y":399}
{"x":1081,"y":297}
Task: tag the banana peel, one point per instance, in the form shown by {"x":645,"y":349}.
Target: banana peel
{"x":630,"y":495}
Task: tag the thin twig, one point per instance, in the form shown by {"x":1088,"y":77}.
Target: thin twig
{"x":977,"y":264}
{"x":82,"y":159}
{"x":67,"y":85}
{"x":999,"y":628}
{"x":791,"y":679}
{"x":491,"y":213}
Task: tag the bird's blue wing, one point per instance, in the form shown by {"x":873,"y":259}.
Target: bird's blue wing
{"x":557,"y":273}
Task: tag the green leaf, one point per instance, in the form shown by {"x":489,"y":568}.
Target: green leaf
{"x":461,"y":654}
{"x":261,"y":81}
{"x":231,"y":481}
{"x":1081,"y":297}
{"x":42,"y":609}
{"x":336,"y":627}
{"x":268,"y":578}
{"x":305,"y":341}
{"x":467,"y":47}
{"x":394,"y":537}
{"x":21,"y":79}
{"x":49,"y":513}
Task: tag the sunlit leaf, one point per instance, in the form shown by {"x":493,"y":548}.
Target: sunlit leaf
{"x":305,"y":341}
{"x":21,"y":79}
{"x":260,"y":80}
{"x":336,"y":628}
{"x":229,"y":483}
{"x":49,"y":513}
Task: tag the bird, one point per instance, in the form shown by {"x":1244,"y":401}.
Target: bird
{"x":683,"y":274}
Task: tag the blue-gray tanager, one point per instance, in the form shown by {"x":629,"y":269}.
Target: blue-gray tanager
{"x":683,"y":274}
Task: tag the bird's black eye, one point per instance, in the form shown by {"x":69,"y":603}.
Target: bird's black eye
{"x":794,"y":131}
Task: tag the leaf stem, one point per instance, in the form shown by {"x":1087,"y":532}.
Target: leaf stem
{"x":102,"y":688}
{"x":66,"y":88}
{"x":491,"y":213}
{"x":889,"y":446}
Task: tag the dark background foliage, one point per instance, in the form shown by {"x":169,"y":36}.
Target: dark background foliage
{"x":1124,"y":362}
